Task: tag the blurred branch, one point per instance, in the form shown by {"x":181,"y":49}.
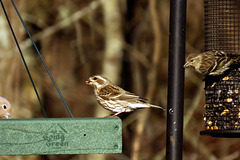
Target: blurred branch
{"x":160,"y":155}
{"x":113,"y":40}
{"x":34,"y":20}
{"x":232,"y":156}
{"x":156,"y":32}
{"x":73,"y":19}
{"x":113,"y":44}
{"x":61,"y":25}
{"x":194,"y":140}
{"x":82,"y":57}
{"x":151,"y":81}
{"x":68,"y":21}
{"x":137,"y":55}
{"x":194,"y":105}
{"x":112,"y":59}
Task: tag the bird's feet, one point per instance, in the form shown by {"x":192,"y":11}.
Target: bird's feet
{"x":114,"y":115}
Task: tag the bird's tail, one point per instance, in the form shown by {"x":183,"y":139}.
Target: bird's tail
{"x":154,"y":106}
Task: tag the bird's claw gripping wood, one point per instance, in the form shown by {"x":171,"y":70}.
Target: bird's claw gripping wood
{"x":114,"y":115}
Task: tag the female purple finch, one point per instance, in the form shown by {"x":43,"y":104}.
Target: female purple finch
{"x":114,"y":98}
{"x":212,"y":63}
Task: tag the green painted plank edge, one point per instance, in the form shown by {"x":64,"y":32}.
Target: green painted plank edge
{"x":60,"y":136}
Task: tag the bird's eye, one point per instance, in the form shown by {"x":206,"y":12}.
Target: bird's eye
{"x":95,"y":78}
{"x":191,"y":60}
{"x":4,"y":106}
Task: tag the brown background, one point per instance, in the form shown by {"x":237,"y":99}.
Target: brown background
{"x":125,"y":40}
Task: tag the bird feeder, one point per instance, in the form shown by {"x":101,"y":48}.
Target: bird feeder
{"x":57,"y":135}
{"x":222,"y":100}
{"x":60,"y":136}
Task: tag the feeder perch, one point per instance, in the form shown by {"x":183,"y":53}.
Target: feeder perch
{"x":60,"y":136}
{"x":222,"y":100}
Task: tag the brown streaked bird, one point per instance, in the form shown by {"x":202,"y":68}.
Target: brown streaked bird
{"x":114,"y":98}
{"x":212,"y":63}
{"x":5,"y":108}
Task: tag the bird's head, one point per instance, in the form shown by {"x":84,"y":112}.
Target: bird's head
{"x":5,"y":108}
{"x":192,"y":60}
{"x":98,"y":81}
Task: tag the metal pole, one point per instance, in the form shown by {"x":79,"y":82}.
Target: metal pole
{"x":176,"y":79}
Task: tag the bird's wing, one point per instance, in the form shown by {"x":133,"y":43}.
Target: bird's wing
{"x":220,"y":53}
{"x":111,"y":92}
{"x":235,"y":56}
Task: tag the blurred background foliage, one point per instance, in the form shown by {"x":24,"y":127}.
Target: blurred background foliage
{"x":125,"y":40}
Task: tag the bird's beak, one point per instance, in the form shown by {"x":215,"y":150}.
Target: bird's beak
{"x":8,"y":116}
{"x":186,"y":65}
{"x":88,"y":82}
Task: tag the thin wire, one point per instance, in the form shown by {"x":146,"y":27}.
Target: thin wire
{"x":35,"y":89}
{"x":59,"y":92}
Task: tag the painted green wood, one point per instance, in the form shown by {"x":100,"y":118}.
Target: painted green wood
{"x":60,"y":136}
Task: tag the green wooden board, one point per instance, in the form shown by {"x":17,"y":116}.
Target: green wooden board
{"x":60,"y":136}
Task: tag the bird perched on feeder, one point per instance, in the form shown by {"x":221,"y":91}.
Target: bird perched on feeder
{"x":114,"y":98}
{"x":212,"y":63}
{"x":5,"y":108}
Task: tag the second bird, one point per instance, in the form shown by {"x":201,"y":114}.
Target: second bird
{"x":212,"y":63}
{"x":114,"y":98}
